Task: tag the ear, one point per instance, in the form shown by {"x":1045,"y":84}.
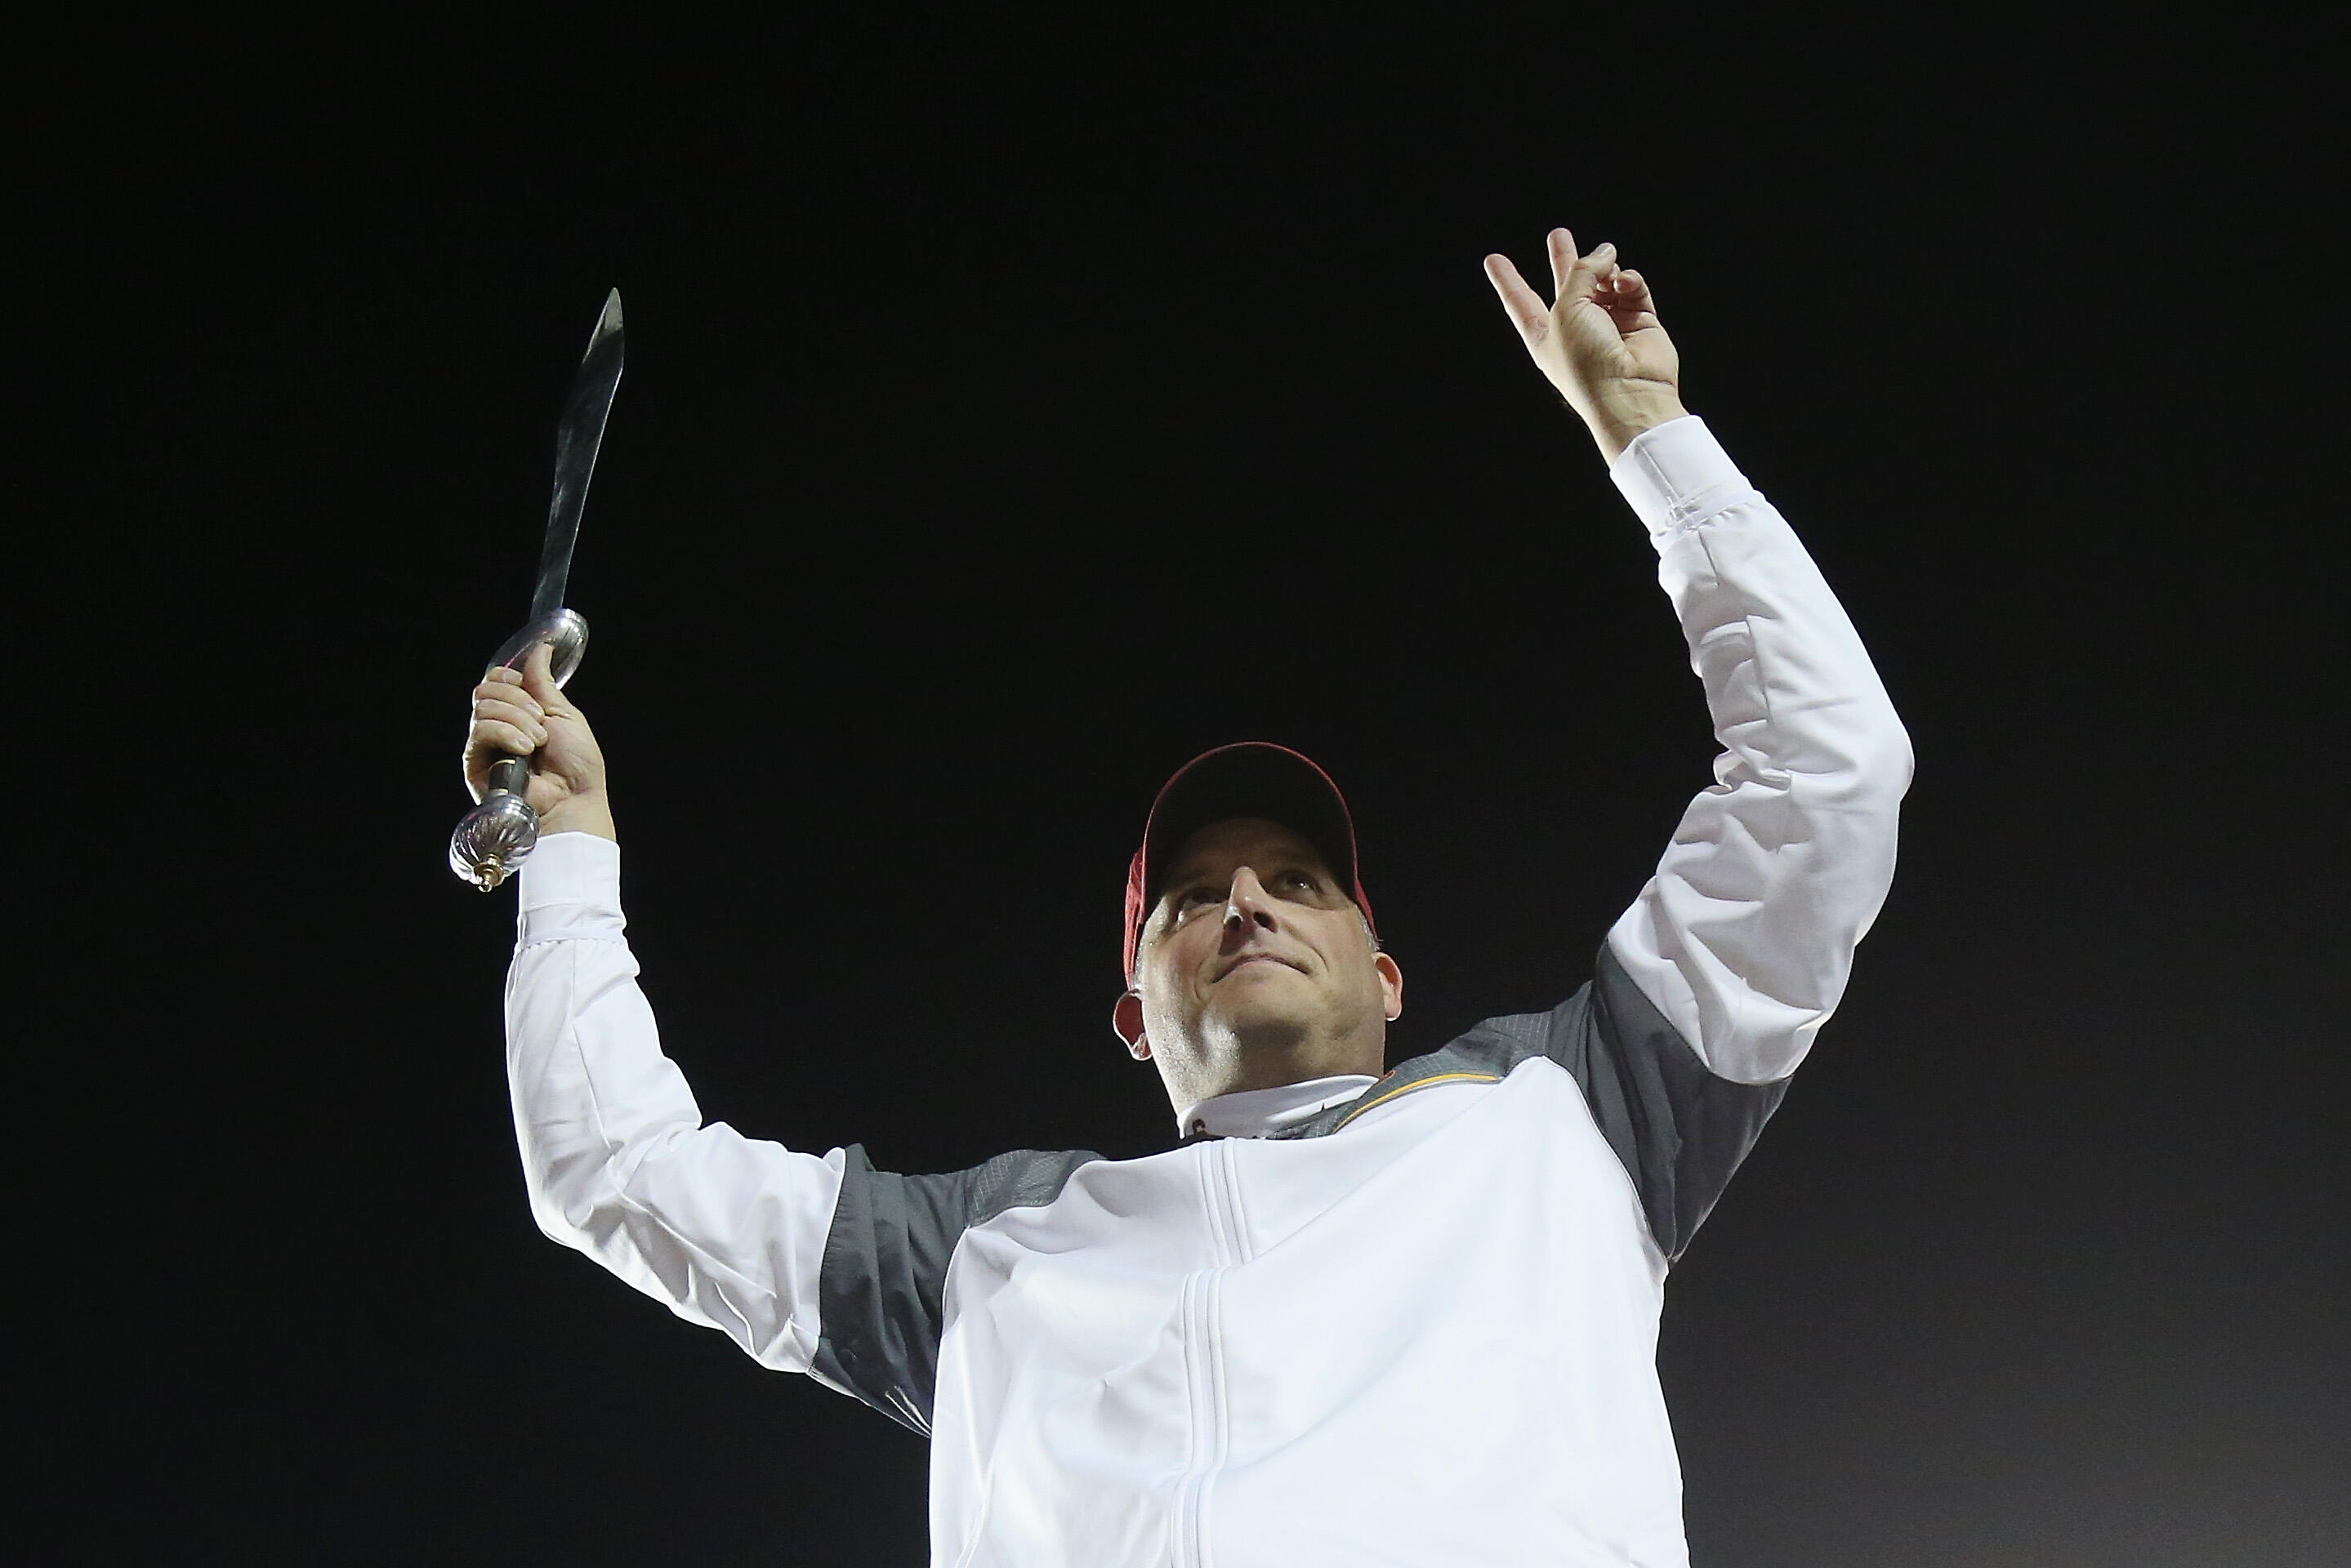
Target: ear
{"x":1390,"y":986}
{"x":1126,"y":1023}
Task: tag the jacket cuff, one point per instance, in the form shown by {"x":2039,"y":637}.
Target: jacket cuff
{"x":1677,"y":475}
{"x":570,"y":886}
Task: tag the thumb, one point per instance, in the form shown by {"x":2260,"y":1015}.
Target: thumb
{"x":539,"y":676}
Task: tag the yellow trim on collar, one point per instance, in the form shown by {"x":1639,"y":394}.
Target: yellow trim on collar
{"x":1419,"y":1084}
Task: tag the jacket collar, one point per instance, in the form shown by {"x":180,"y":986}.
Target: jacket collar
{"x":1261,"y":1113}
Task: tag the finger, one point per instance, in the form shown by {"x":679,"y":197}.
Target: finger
{"x":498,"y":736}
{"x":529,"y":721}
{"x":1527,"y":310}
{"x":1579,"y":276}
{"x":1630,"y":305}
{"x":501,"y":692}
{"x":1561,"y":245}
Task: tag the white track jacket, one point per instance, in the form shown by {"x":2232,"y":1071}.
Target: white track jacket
{"x":1409,"y":1321}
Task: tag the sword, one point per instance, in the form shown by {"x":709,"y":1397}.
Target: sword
{"x":494,"y":837}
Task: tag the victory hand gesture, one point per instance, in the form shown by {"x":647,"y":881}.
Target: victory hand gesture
{"x":1598,"y":341}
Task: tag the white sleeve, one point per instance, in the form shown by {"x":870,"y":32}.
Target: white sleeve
{"x":726,"y":1230}
{"x":1744,"y":937}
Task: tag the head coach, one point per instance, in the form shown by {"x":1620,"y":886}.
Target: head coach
{"x":1360,"y":1312}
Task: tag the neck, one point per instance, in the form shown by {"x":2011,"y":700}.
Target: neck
{"x":1269,"y":1059}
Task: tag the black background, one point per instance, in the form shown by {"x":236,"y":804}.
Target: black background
{"x":1015,"y":408}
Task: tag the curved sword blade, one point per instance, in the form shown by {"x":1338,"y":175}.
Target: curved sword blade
{"x":576,"y":440}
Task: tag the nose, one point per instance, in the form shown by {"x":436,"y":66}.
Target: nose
{"x":1249,"y":907}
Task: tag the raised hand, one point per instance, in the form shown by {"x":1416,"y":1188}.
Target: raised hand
{"x":522,"y":714}
{"x":1598,"y":340}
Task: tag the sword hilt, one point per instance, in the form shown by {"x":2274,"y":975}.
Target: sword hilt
{"x":492,"y":840}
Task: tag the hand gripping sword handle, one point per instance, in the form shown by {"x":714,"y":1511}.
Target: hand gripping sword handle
{"x":494,"y":838}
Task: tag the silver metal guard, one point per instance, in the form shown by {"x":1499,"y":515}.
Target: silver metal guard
{"x":566,"y":629}
{"x":492,"y":840}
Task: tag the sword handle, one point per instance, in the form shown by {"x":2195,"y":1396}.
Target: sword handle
{"x":492,"y":840}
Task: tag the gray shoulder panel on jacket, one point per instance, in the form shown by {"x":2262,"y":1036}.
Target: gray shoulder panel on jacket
{"x":885,"y":1266}
{"x":1679,"y":1130}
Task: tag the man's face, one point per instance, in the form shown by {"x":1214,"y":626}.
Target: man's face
{"x":1256,"y":965}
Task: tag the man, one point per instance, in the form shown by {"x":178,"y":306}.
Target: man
{"x":1355,"y":1317}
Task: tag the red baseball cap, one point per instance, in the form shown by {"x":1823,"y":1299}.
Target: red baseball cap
{"x":1250,"y":778}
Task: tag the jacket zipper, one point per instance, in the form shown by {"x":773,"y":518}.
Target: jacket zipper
{"x":1204,"y":1356}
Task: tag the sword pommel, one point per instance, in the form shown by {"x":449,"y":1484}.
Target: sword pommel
{"x":491,"y":843}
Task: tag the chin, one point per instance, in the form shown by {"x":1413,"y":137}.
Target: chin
{"x":1263,"y":1031}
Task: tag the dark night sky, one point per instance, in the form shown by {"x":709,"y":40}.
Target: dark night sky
{"x":1015,"y":411}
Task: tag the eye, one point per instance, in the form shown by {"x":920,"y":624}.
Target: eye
{"x":1191,"y":899}
{"x":1305,"y":881}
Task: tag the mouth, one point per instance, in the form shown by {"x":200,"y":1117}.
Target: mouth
{"x":1247,"y":961}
